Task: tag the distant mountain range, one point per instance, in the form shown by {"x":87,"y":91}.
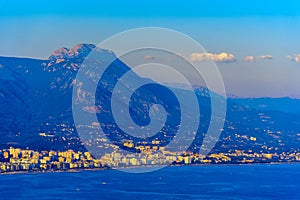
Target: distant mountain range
{"x":36,"y":108}
{"x":282,"y":104}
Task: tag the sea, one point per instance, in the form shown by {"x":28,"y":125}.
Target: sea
{"x":257,"y":181}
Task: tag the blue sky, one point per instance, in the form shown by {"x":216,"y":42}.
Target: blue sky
{"x":153,"y":8}
{"x":245,"y":29}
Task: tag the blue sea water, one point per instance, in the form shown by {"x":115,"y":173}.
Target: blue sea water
{"x":280,"y":181}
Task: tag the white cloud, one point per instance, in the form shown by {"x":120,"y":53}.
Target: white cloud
{"x":268,"y":57}
{"x":249,"y":59}
{"x":222,"y":57}
{"x":295,"y":58}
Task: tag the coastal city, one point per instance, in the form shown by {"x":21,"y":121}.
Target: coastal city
{"x":26,"y":160}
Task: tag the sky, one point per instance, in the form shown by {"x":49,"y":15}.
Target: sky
{"x":259,"y":39}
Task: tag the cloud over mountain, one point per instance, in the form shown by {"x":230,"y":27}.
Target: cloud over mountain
{"x":249,"y":59}
{"x":221,"y":57}
{"x":268,"y":57}
{"x":295,"y":58}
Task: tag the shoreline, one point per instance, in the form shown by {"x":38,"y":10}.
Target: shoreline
{"x":141,"y":167}
{"x":54,"y":171}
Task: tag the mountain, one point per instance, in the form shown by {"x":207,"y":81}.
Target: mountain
{"x":79,"y":51}
{"x":283,"y":104}
{"x":36,"y":107}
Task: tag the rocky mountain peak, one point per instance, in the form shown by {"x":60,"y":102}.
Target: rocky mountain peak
{"x":78,"y":51}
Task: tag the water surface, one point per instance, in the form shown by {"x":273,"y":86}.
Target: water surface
{"x":182,"y":182}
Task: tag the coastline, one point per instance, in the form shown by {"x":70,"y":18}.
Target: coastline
{"x":141,"y":167}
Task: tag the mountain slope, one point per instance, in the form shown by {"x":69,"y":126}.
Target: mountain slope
{"x":36,"y":102}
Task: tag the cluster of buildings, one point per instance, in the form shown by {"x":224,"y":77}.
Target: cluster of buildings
{"x":16,"y":159}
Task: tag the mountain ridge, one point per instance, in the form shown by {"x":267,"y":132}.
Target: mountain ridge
{"x":45,"y":109}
